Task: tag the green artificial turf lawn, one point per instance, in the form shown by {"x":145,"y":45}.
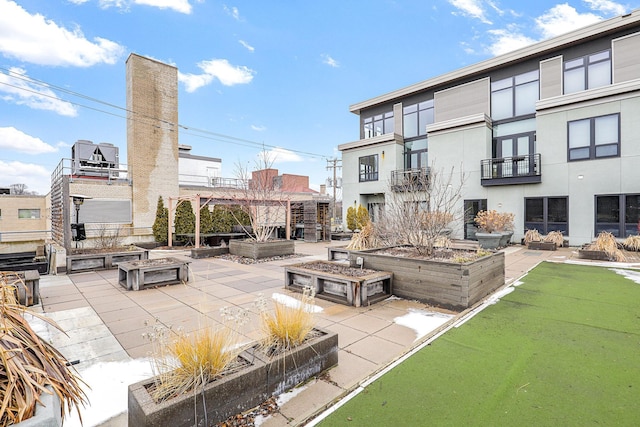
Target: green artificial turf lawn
{"x":562,"y":349}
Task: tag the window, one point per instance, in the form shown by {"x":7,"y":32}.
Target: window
{"x":588,"y":72}
{"x":29,"y":213}
{"x":515,"y":96}
{"x":416,"y":154}
{"x":471,"y":209}
{"x":416,"y":117}
{"x":378,"y":125}
{"x":547,"y":214}
{"x":594,"y":137}
{"x":375,"y":211}
{"x":369,"y":168}
{"x":618,"y":214}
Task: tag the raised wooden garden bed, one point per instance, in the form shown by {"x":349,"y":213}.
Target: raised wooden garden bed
{"x":257,"y":250}
{"x":102,"y":260}
{"x":136,"y":275}
{"x":338,"y":253}
{"x":339,"y":283}
{"x":27,"y":286}
{"x":233,"y":393}
{"x":209,"y":252}
{"x":445,"y":283}
{"x":594,"y":255}
{"x":542,"y":246}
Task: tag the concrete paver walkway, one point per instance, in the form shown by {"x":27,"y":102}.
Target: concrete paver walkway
{"x":105,"y":322}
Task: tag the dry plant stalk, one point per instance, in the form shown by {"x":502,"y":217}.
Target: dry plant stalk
{"x":607,"y":243}
{"x":366,"y":239}
{"x":554,"y":237}
{"x":492,"y":220}
{"x":632,"y":243}
{"x":532,"y":236}
{"x":29,"y":364}
{"x":287,"y":326}
{"x":184,"y":363}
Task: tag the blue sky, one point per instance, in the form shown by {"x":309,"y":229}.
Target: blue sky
{"x":277,"y":73}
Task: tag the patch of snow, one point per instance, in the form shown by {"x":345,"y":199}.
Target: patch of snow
{"x":295,"y":303}
{"x":107,"y":390}
{"x":629,"y":274}
{"x":422,"y":321}
{"x":604,"y":263}
{"x":280,"y":400}
{"x":494,"y":298}
{"x":517,"y":283}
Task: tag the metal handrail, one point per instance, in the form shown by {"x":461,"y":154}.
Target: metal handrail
{"x":511,"y":167}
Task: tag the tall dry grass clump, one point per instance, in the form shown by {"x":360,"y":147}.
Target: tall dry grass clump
{"x":29,"y":363}
{"x":532,"y":236}
{"x":287,"y":326}
{"x":632,"y":243}
{"x":367,"y":238}
{"x":607,"y":243}
{"x":554,"y":237}
{"x":184,"y":363}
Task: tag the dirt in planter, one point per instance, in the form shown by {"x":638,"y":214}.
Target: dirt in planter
{"x":439,"y":254}
{"x":242,"y":260}
{"x":339,"y":269}
{"x":81,"y":251}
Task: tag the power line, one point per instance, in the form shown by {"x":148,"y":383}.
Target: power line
{"x":200,"y":133}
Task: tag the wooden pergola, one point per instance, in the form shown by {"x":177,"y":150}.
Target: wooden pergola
{"x":222,"y":201}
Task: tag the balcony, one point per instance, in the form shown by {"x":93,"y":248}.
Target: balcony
{"x":415,"y":179}
{"x":511,"y":170}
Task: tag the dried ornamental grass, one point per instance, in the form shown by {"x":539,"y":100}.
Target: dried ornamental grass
{"x":532,"y":236}
{"x":29,"y":363}
{"x":184,"y":363}
{"x":365,"y":239}
{"x":632,"y":243}
{"x":554,"y":237}
{"x":287,"y":326}
{"x":607,"y":243}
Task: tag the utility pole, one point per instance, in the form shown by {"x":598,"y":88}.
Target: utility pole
{"x":334,"y":164}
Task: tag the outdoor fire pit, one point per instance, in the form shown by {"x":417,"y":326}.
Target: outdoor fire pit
{"x":339,"y":283}
{"x":146,"y":273}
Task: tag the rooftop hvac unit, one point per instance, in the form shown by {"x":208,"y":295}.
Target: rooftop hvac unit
{"x":95,"y":160}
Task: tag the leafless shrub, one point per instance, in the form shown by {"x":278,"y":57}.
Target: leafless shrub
{"x":108,"y":237}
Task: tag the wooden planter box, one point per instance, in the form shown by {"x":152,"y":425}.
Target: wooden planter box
{"x":345,"y":289}
{"x":594,"y":255}
{"x":542,"y":246}
{"x":236,"y":392}
{"x":146,"y":273}
{"x":448,"y":284}
{"x":208,"y":252}
{"x":27,"y":285}
{"x":338,"y":254}
{"x":102,"y":260}
{"x":257,"y":250}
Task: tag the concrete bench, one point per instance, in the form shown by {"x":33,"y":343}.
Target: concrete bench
{"x":136,"y":275}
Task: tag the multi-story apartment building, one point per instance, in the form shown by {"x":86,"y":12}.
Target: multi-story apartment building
{"x":550,"y":132}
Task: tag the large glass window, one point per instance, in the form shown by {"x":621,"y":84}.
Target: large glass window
{"x":471,"y":209}
{"x":515,"y":96}
{"x":595,"y":137}
{"x":29,"y":213}
{"x":378,"y":125}
{"x":546,"y":214}
{"x":618,"y":214}
{"x":369,"y":168}
{"x":416,"y":154}
{"x":416,"y":117}
{"x":588,"y":72}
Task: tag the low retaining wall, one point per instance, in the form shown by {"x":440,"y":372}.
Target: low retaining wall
{"x":208,"y":252}
{"x":257,"y":250}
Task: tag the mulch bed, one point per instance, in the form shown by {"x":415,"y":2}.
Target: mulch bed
{"x":242,"y":260}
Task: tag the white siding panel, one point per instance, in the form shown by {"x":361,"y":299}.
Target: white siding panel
{"x":551,"y":77}
{"x":464,"y":100}
{"x":626,"y":58}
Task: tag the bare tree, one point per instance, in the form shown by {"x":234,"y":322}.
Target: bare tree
{"x":18,"y":189}
{"x":420,"y":209}
{"x":261,"y":198}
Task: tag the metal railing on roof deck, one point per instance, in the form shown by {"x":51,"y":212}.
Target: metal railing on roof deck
{"x":409,"y":179}
{"x":67,"y":167}
{"x":237,"y":183}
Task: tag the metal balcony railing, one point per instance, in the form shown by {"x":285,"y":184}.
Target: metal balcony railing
{"x":511,"y":170}
{"x":410,"y":179}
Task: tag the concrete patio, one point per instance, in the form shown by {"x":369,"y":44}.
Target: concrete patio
{"x":105,"y":323}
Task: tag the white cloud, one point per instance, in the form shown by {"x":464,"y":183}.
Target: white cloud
{"x":35,"y":39}
{"x":606,"y":6}
{"x":246,"y":45}
{"x":181,"y":6}
{"x":227,"y":74}
{"x":281,"y":155}
{"x":508,"y":40}
{"x":21,"y":91}
{"x":563,"y":18}
{"x":471,"y":8}
{"x":77,"y":1}
{"x":16,"y":140}
{"x":35,"y":177}
{"x":326,"y":59}
{"x":233,"y":12}
{"x":258,"y":128}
